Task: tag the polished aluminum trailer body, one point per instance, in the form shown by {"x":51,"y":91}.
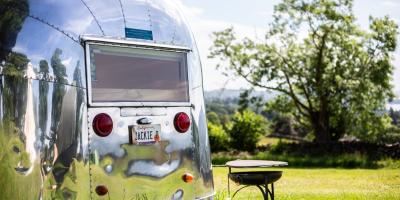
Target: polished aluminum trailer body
{"x":48,"y":147}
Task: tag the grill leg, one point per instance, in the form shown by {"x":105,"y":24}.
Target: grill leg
{"x":264,"y":191}
{"x":229,"y":187}
{"x":272,"y":192}
{"x":234,"y":194}
{"x":269,"y":192}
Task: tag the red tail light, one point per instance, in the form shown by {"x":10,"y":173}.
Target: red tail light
{"x":182,"y":122}
{"x":102,"y":125}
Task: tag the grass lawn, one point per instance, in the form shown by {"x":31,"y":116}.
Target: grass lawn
{"x":324,"y":184}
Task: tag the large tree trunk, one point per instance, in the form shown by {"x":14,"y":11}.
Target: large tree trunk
{"x":320,"y":122}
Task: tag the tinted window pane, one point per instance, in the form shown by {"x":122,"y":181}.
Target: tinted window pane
{"x":137,"y":75}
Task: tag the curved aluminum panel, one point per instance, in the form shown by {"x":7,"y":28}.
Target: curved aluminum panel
{"x":41,"y":134}
{"x":38,"y":28}
{"x":43,"y":96}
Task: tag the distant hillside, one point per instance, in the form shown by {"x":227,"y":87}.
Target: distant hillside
{"x":395,"y":101}
{"x":232,"y":94}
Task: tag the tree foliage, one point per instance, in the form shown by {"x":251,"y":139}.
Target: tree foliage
{"x":247,"y":101}
{"x":12,"y":16}
{"x":247,"y":128}
{"x":219,"y":139}
{"x":335,"y":74}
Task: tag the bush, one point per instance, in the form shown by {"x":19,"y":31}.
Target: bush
{"x":247,"y":127}
{"x":213,"y":118}
{"x":219,"y":140}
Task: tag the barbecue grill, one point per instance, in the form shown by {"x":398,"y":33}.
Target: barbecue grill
{"x":263,"y":180}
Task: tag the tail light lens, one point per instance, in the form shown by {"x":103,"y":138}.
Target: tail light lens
{"x":188,"y":178}
{"x":182,"y":122}
{"x":101,"y":190}
{"x":102,"y":125}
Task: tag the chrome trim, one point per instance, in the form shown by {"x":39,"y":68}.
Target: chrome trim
{"x":132,"y":104}
{"x":131,"y":43}
{"x":139,"y":104}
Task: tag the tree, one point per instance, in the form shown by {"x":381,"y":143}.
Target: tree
{"x":244,"y":100}
{"x":43,"y":103}
{"x":336,"y":74}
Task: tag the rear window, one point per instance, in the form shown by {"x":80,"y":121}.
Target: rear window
{"x":122,"y":74}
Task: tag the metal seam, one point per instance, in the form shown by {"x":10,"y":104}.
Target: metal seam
{"x":54,"y":27}
{"x":38,"y":79}
{"x":94,"y":17}
{"x":123,"y":13}
{"x":89,"y":159}
{"x":149,"y":15}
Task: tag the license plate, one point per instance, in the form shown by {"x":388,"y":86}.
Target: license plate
{"x":145,"y":134}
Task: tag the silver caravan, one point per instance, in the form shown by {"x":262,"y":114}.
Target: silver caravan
{"x":100,"y":100}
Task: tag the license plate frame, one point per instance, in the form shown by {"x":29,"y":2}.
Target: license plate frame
{"x":144,"y":134}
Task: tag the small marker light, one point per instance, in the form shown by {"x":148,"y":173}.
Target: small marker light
{"x":187,"y":178}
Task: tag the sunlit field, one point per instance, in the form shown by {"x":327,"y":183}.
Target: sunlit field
{"x":324,"y":184}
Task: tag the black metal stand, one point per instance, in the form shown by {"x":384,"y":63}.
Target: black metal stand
{"x":265,"y":190}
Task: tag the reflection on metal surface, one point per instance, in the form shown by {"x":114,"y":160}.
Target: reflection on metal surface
{"x":150,"y":168}
{"x":141,"y":168}
{"x":144,"y":120}
{"x":178,"y":195}
{"x":46,"y":122}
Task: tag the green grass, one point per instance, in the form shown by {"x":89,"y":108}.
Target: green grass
{"x":323,"y":184}
{"x":265,"y":141}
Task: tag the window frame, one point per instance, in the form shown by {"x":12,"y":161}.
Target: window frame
{"x":89,"y":40}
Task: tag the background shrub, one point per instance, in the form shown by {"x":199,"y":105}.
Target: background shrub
{"x":219,"y":139}
{"x":247,"y":127}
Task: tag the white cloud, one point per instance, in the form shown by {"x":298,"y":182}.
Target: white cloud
{"x":189,"y":11}
{"x":265,"y":13}
{"x":78,"y":25}
{"x":390,"y":3}
{"x":67,"y":61}
{"x":203,"y":28}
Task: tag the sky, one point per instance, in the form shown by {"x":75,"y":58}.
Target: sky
{"x":251,"y":20}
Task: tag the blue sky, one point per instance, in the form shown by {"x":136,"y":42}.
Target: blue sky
{"x":251,"y":20}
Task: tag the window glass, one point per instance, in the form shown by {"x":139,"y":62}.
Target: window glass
{"x":122,"y":74}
